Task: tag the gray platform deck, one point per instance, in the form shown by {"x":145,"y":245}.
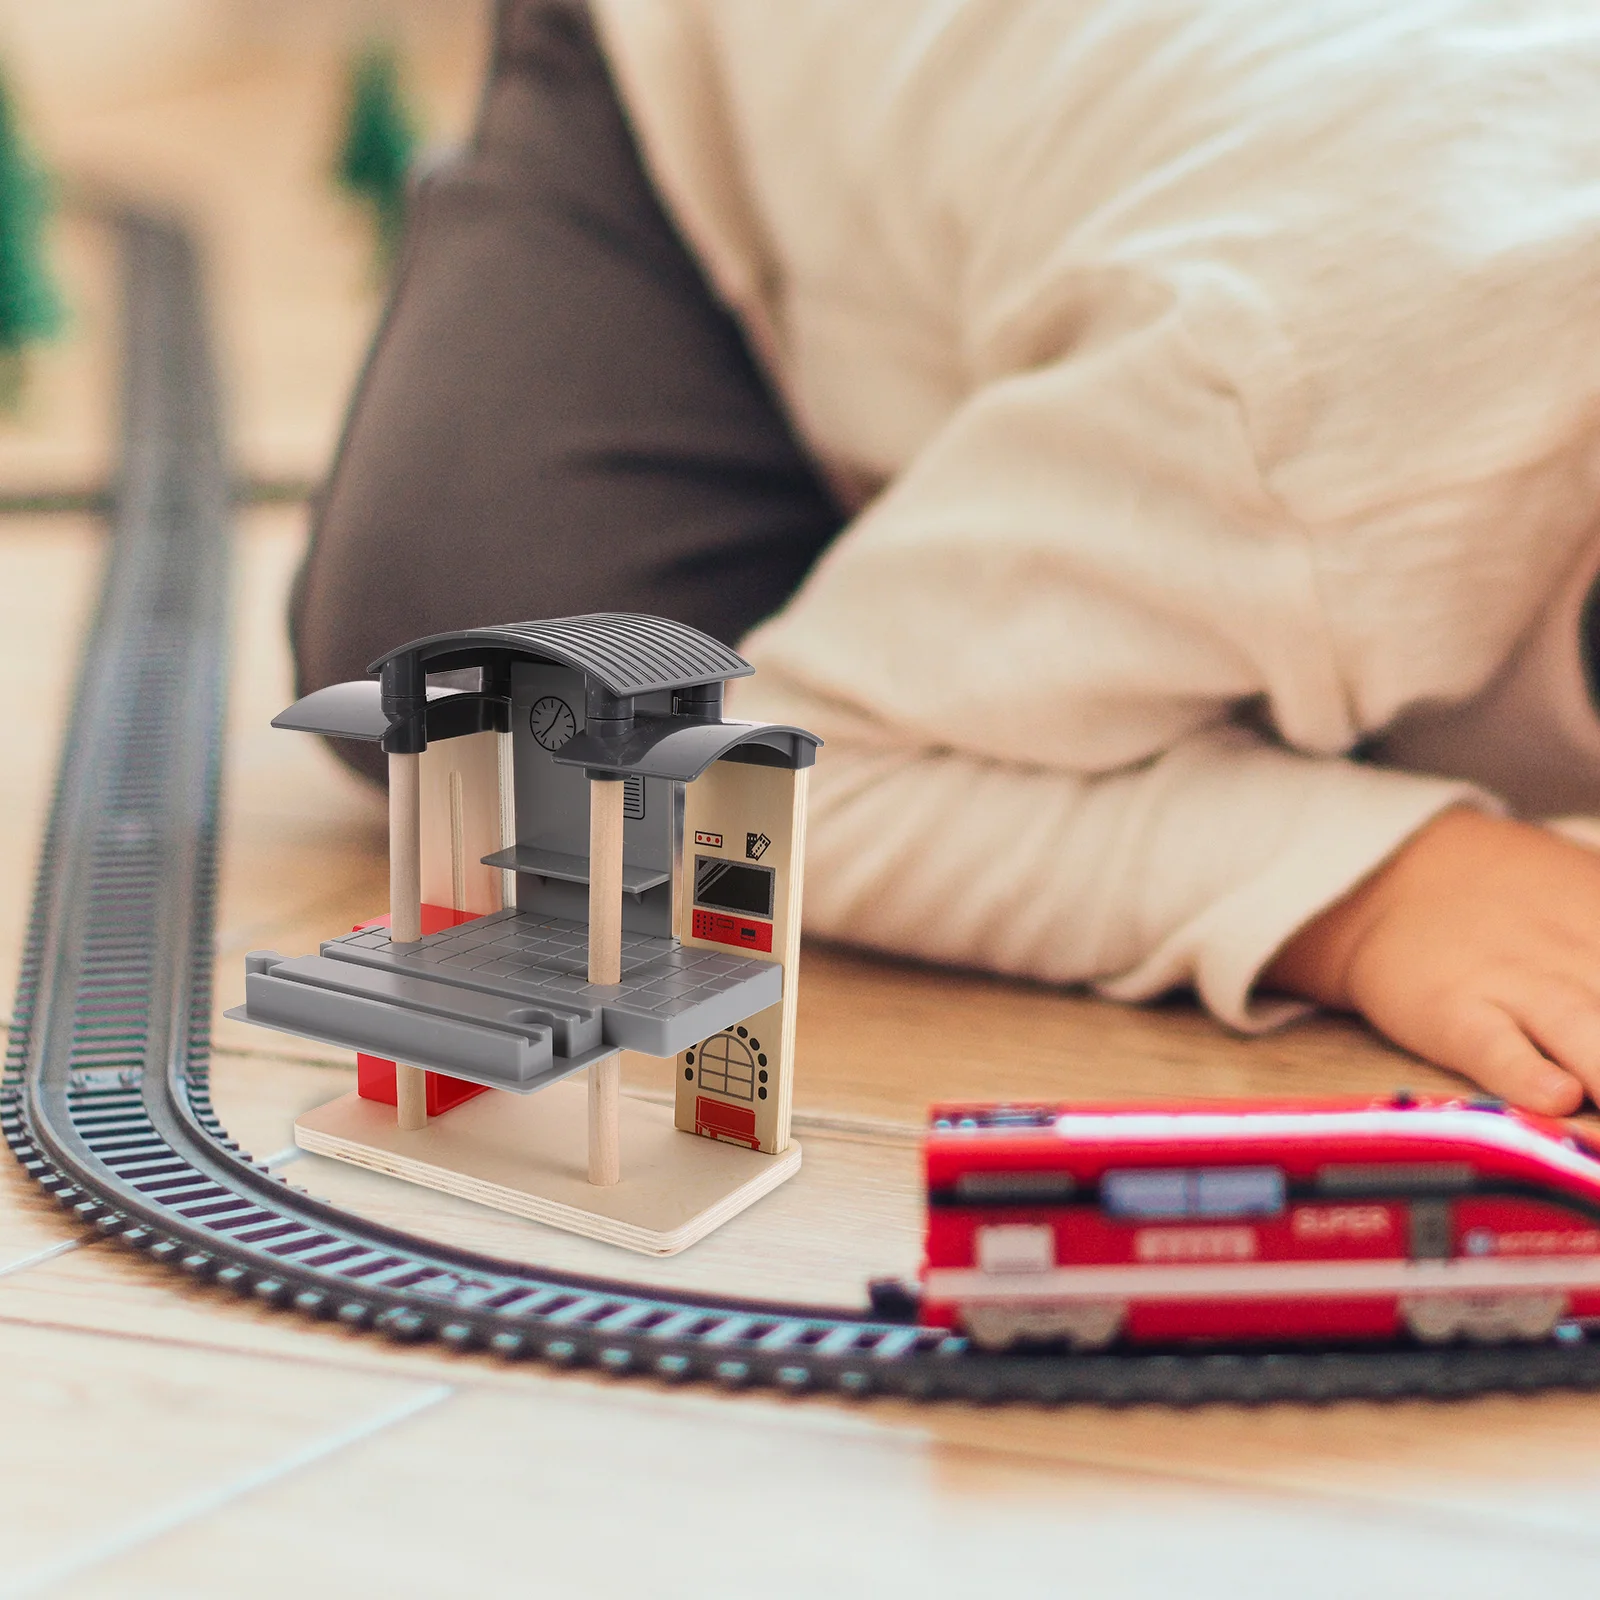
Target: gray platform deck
{"x":505,"y":999}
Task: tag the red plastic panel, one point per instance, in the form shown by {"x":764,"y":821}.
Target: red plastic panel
{"x":375,"y":1076}
{"x":741,"y":932}
{"x":435,"y":919}
{"x":375,"y":1081}
{"x":716,"y":1120}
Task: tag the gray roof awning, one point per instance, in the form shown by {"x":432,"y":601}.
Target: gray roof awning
{"x":681,"y":748}
{"x":355,"y":711}
{"x":625,"y":653}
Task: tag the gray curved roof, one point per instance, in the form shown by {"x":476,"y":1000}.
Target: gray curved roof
{"x":681,"y":748}
{"x":629,"y":654}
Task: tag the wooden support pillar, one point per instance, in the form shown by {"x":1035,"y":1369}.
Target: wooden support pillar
{"x":605,"y":1111}
{"x":605,"y":966}
{"x":508,"y":813}
{"x":405,"y":907}
{"x":405,"y":849}
{"x":410,"y":1097}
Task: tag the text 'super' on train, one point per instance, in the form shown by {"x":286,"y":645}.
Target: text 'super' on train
{"x":1325,"y":1221}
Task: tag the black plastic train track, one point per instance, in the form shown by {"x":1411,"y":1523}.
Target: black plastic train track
{"x":105,"y":1100}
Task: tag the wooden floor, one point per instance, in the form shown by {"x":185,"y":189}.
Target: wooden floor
{"x":158,"y":1440}
{"x":154,"y":1437}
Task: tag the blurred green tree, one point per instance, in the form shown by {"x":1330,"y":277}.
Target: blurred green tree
{"x":380,"y":141}
{"x":30,"y":308}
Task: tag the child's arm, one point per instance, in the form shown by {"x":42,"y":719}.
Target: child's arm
{"x":1192,"y":868}
{"x":1477,"y":945}
{"x":1473,"y":941}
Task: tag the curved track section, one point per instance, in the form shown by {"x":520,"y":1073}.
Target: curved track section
{"x":105,"y":1099}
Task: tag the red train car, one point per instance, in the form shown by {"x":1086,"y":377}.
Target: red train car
{"x":1283,"y":1221}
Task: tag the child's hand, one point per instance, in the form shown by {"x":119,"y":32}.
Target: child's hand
{"x":1477,"y":946}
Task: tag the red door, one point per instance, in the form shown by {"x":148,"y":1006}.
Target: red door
{"x":716,"y":1120}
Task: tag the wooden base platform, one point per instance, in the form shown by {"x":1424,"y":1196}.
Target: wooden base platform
{"x":526,"y":1154}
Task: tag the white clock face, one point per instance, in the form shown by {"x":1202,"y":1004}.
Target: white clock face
{"x":552,"y":722}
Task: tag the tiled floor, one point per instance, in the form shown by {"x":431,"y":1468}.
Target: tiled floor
{"x":664,"y":986}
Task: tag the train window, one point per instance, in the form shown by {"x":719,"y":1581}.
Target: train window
{"x":1394,"y":1177}
{"x":1239,"y":1192}
{"x":1203,"y":1192}
{"x":1146,"y":1192}
{"x":1015,"y":1188}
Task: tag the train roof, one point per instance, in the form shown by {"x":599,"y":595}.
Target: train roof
{"x":1287,"y":1133}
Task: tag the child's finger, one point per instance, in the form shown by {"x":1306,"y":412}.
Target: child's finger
{"x":1563,"y":1020}
{"x":1494,"y":1049}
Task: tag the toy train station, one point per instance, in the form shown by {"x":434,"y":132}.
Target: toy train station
{"x":586,"y":857}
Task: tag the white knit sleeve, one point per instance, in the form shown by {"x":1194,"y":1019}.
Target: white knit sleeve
{"x":1189,"y":869}
{"x":1028,"y":658}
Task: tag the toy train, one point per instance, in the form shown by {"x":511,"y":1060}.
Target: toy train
{"x":1268,"y":1222}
